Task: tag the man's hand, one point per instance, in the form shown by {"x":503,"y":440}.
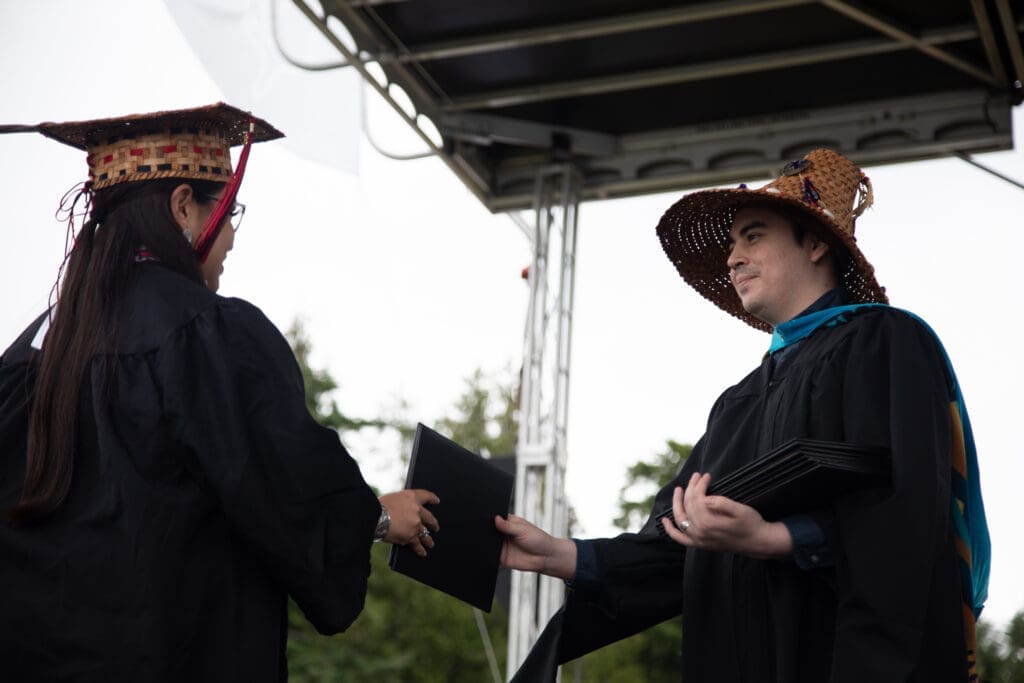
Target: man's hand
{"x":722,"y":524}
{"x":530,"y":548}
{"x":411,"y":523}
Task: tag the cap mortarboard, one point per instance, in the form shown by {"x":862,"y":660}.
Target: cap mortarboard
{"x":183,"y":143}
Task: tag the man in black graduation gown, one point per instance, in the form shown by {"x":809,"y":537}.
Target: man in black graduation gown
{"x":883,"y":584}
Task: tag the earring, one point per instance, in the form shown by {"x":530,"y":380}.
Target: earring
{"x":187,"y":234}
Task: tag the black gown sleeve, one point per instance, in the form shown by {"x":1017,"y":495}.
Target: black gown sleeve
{"x":639,"y":585}
{"x":892,"y":543}
{"x":290,"y":491}
{"x":18,"y":367}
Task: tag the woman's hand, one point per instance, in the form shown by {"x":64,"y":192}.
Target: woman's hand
{"x":411,"y":523}
{"x":530,"y":548}
{"x":722,"y":524}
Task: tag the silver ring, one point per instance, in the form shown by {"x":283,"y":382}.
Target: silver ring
{"x":424,"y":532}
{"x":683,"y":525}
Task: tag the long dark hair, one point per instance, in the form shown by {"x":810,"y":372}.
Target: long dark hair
{"x":124,"y":219}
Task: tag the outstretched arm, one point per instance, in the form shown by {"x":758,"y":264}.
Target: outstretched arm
{"x":530,"y":548}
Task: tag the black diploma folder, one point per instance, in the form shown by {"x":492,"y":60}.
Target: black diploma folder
{"x":802,"y":475}
{"x":466,"y":555}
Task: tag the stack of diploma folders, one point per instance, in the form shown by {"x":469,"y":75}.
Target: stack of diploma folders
{"x":802,"y":475}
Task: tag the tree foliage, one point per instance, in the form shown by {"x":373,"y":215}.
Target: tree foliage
{"x":1001,"y":653}
{"x":478,"y":424}
{"x":645,"y":478}
{"x":406,"y":631}
{"x":320,"y":386}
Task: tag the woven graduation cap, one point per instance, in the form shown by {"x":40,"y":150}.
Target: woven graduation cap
{"x":192,"y":144}
{"x":824,"y":186}
{"x":182,"y":143}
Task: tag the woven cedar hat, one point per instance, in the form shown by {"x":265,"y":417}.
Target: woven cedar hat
{"x":193,"y":143}
{"x":824,"y":186}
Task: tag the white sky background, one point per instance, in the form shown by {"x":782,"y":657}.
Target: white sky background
{"x":406,"y":284}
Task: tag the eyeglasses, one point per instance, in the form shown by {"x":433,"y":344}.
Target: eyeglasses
{"x":236,"y":213}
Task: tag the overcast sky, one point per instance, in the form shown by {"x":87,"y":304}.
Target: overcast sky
{"x":406,"y":284}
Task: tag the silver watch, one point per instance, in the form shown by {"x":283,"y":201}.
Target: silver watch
{"x":383,"y":524}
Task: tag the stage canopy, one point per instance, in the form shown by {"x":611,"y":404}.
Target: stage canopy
{"x":648,"y":96}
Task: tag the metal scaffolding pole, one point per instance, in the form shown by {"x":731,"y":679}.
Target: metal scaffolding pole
{"x":541,"y":451}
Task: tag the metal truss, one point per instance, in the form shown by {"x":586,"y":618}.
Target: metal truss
{"x":541,"y":449}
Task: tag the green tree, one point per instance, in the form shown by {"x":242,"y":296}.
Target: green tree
{"x":1001,"y":654}
{"x":406,"y":632}
{"x":480,"y":426}
{"x":320,"y":387}
{"x":646,"y":479}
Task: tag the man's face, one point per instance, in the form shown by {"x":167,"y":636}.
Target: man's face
{"x":773,"y":274}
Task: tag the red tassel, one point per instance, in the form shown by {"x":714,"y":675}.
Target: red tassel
{"x":213,"y":224}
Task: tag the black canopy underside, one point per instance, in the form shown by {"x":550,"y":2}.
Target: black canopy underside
{"x":649,"y":96}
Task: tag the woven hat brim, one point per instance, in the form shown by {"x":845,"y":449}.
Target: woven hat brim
{"x":694,"y":234}
{"x":233,"y":121}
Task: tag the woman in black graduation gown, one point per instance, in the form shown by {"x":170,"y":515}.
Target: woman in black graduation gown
{"x":164,"y":484}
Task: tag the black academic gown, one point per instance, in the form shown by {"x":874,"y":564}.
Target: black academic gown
{"x":203,"y":494}
{"x":890,"y":607}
